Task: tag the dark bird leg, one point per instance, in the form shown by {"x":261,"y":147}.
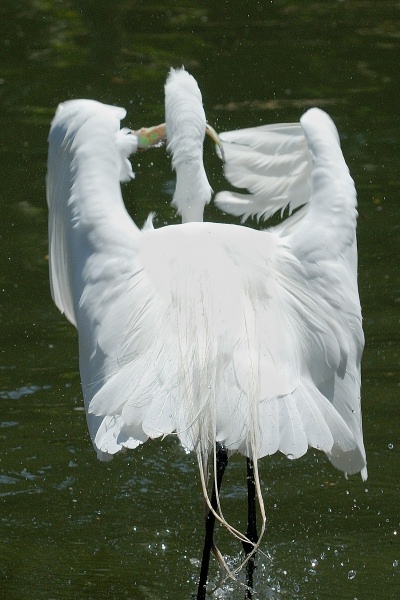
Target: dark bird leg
{"x":221,"y":462}
{"x":251,"y":533}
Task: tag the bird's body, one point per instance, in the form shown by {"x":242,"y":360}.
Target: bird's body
{"x":214,"y":332}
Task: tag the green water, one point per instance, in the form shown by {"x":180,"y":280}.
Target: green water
{"x":71,"y":527}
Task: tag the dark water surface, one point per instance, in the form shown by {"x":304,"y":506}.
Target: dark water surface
{"x":71,"y":527}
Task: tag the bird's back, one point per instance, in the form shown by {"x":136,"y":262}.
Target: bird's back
{"x":230,"y":358}
{"x":194,"y":373}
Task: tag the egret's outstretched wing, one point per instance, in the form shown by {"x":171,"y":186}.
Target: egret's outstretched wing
{"x":95,"y":271}
{"x":88,"y":157}
{"x":312,"y":286}
{"x":324,"y":242}
{"x":273,"y":163}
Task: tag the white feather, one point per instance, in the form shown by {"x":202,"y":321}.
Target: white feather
{"x":273,"y":162}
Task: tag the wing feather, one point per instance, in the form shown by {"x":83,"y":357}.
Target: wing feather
{"x":273,"y":163}
{"x":292,"y":436}
{"x":315,"y":289}
{"x":88,"y":156}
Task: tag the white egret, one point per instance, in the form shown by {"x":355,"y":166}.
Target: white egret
{"x":231,"y":338}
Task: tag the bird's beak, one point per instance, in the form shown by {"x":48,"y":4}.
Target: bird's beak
{"x":150,"y":137}
{"x":210,"y":131}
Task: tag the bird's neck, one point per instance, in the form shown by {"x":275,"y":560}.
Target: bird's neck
{"x":192,"y":190}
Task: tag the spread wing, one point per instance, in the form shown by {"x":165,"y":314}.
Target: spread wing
{"x":87,"y":159}
{"x":95,"y":271}
{"x":273,"y":163}
{"x":316,"y":264}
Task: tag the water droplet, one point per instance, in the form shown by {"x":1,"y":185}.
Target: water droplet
{"x":351,"y":574}
{"x":390,"y":446}
{"x":314,"y":563}
{"x":290,"y":456}
{"x":395,"y":563}
{"x":296,"y":587}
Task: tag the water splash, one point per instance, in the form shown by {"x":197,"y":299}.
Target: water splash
{"x":351,"y":574}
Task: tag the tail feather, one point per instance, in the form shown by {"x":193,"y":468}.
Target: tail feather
{"x":292,"y":436}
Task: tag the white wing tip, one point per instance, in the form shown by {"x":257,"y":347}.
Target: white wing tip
{"x":316,"y":118}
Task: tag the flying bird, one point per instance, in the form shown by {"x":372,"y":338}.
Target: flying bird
{"x":232,"y":338}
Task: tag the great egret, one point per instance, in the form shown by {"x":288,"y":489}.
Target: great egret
{"x":231,"y":338}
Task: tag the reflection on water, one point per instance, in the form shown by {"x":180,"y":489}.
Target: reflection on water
{"x":132,"y":528}
{"x":20,"y":392}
